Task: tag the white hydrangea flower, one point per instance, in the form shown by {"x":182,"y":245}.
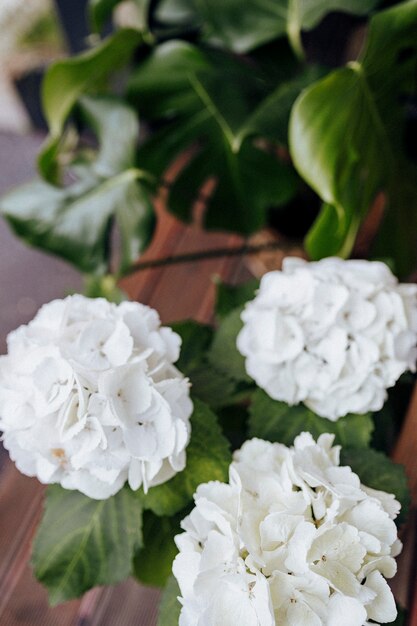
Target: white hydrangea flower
{"x":333,"y":334}
{"x":90,"y":398}
{"x":293,"y":539}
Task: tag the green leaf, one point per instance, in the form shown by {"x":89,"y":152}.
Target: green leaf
{"x":208,"y":384}
{"x":74,"y":222}
{"x":271,"y":118}
{"x":401,"y":617}
{"x":196,"y":339}
{"x":376,"y":470}
{"x":337,"y":222}
{"x":212,"y":386}
{"x":160,"y":85}
{"x":242,"y":27}
{"x":153,"y":562}
{"x":66,"y":80}
{"x":193,"y":93}
{"x":229,"y":297}
{"x":170,"y":608}
{"x":82,"y":542}
{"x":277,"y":421}
{"x":348,"y":169}
{"x":223,"y":354}
{"x":208,"y":458}
{"x":100,"y":11}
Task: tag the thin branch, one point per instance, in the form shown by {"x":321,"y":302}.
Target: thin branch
{"x":213,"y":253}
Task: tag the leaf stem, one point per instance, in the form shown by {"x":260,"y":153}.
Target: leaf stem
{"x":213,"y":253}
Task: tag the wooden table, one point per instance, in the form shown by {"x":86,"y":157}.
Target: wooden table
{"x":177,"y":292}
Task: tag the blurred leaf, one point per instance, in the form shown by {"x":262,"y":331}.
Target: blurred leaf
{"x":73,"y":222}
{"x":196,"y":339}
{"x":223,"y":354}
{"x":229,"y":297}
{"x":103,"y":287}
{"x":170,"y":608}
{"x":174,"y":14}
{"x":208,"y":458}
{"x":153,"y":562}
{"x":82,"y":543}
{"x":389,"y":420}
{"x":242,"y":27}
{"x":376,"y":470}
{"x":343,"y":227}
{"x":100,"y":12}
{"x":401,"y":617}
{"x":67,"y":79}
{"x":277,"y":421}
{"x":194,"y":94}
{"x":346,"y":139}
{"x":160,"y":85}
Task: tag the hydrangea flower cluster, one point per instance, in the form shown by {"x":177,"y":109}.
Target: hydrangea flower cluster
{"x":333,"y":334}
{"x":293,"y":539}
{"x":90,"y":398}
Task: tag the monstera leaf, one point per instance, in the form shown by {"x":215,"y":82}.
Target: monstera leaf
{"x":68,"y":79}
{"x":243,"y":26}
{"x":228,"y":119}
{"x":346,"y":139}
{"x":74,"y":221}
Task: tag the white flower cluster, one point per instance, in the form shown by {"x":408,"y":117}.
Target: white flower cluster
{"x":293,"y":539}
{"x":90,"y":398}
{"x":333,"y":334}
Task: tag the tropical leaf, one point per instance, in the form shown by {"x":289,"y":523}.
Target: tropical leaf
{"x":346,"y":139}
{"x":68,"y":79}
{"x":74,"y":221}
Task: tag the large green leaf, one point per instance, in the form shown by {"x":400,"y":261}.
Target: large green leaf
{"x":153,"y":562}
{"x":170,"y":608}
{"x":346,"y":139}
{"x":208,"y":458}
{"x":277,"y":421}
{"x":82,"y":542}
{"x":376,"y":470}
{"x":73,"y":222}
{"x":193,"y":92}
{"x":244,"y":26}
{"x":66,"y":80}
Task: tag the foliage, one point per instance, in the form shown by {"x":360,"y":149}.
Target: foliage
{"x":169,"y":610}
{"x":377,"y":471}
{"x":75,"y":221}
{"x":349,"y":170}
{"x":276,"y":421}
{"x":82,"y":542}
{"x":221,"y":85}
{"x":153,"y":562}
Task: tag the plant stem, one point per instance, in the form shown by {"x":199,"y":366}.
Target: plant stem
{"x":214,"y":253}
